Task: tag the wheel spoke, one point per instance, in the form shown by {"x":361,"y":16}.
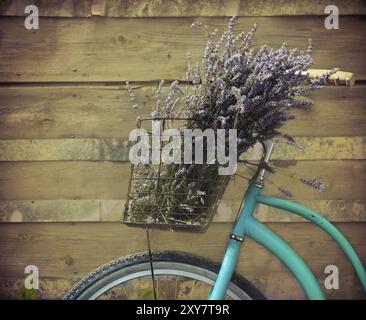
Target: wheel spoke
{"x":194,"y":282}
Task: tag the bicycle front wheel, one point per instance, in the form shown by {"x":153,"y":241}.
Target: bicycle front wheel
{"x":177,"y":275}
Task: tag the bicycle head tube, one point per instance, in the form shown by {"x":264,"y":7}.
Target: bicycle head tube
{"x":258,"y":178}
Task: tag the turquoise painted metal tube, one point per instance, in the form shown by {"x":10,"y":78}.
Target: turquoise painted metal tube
{"x":267,"y":238}
{"x":247,"y":225}
{"x":232,"y":252}
{"x":226,"y":271}
{"x":323,"y":223}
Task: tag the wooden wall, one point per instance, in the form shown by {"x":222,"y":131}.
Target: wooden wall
{"x":65,"y":117}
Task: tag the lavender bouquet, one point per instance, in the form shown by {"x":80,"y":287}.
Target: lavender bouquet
{"x":236,"y":86}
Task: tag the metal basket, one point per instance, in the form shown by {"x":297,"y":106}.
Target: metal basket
{"x":173,"y":196}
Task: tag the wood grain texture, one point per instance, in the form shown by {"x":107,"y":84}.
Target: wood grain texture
{"x":63,"y":254}
{"x":111,"y":211}
{"x":54,"y":8}
{"x":333,"y":210}
{"x":76,"y":180}
{"x":102,"y":49}
{"x":69,"y":103}
{"x":168,"y":8}
{"x":106,"y":112}
{"x":327,"y":148}
{"x":50,"y":210}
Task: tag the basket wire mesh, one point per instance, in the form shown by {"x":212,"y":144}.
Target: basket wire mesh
{"x":172,"y":196}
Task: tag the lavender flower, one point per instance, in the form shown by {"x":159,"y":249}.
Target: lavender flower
{"x":310,"y":47}
{"x":267,"y":80}
{"x":284,"y":191}
{"x":131,"y":94}
{"x":292,"y":142}
{"x":198,"y":24}
{"x":315,"y":183}
{"x":236,"y":86}
{"x":157,"y":111}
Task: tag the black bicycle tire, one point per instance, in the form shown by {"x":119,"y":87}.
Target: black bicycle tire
{"x":105,"y":271}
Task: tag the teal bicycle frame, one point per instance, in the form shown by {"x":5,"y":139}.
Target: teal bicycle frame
{"x":248,"y":225}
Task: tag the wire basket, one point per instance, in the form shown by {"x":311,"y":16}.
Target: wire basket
{"x":180,"y":197}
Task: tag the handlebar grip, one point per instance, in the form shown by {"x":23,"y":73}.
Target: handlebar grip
{"x":339,"y":78}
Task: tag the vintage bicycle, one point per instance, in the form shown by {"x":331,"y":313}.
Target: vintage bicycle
{"x":179,"y":272}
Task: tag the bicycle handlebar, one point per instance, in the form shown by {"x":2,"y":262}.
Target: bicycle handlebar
{"x":339,"y":78}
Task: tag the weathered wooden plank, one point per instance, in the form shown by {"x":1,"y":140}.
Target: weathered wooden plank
{"x":111,"y":211}
{"x":331,"y":105}
{"x":50,"y":210}
{"x":344,"y":180}
{"x":216,"y":8}
{"x":167,"y":8}
{"x":327,"y":148}
{"x":56,"y":149}
{"x":152,"y":48}
{"x":62,"y":253}
{"x":64,"y":180}
{"x":333,"y":210}
{"x":106,"y":112}
{"x":52,"y":288}
{"x":314,"y":148}
{"x":58,"y":8}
